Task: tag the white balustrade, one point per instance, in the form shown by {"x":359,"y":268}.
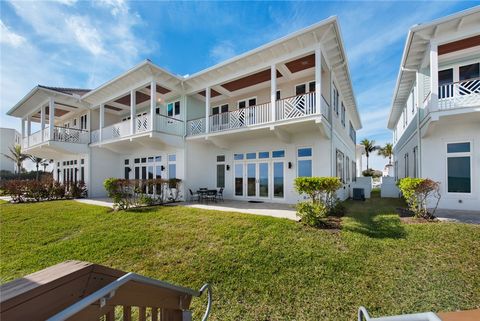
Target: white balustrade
{"x":243,"y":117}
{"x":60,"y":134}
{"x":296,"y":106}
{"x":35,"y":138}
{"x":196,"y":127}
{"x":169,"y":125}
{"x":143,"y":123}
{"x":95,"y":136}
{"x":465,"y":93}
{"x":118,"y":130}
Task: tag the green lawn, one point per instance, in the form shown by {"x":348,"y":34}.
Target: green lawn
{"x":261,"y":268}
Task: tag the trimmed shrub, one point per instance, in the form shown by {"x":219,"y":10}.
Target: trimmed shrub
{"x":131,"y":193}
{"x":322,"y":196}
{"x":43,"y":190}
{"x":417,"y":192}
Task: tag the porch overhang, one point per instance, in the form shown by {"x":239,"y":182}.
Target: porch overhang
{"x":56,"y":150}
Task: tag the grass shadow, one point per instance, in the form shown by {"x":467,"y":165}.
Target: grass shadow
{"x":375,"y":218}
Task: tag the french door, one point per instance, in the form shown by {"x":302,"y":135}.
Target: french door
{"x":259,"y":180}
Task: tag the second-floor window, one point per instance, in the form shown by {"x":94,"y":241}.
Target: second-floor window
{"x":353,"y":134}
{"x":173,"y":109}
{"x":343,"y":115}
{"x":336,"y":98}
{"x":308,"y":87}
{"x":83,"y":122}
{"x":220,"y":109}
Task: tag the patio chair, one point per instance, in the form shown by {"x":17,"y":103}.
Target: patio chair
{"x":220,"y":194}
{"x":211,"y":195}
{"x":194,"y":197}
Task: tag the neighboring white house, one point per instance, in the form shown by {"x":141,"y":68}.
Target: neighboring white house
{"x":251,"y":124}
{"x":9,"y":137}
{"x":435,"y":115}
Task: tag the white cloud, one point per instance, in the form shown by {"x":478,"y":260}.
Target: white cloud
{"x":9,"y":37}
{"x":116,"y":6}
{"x":86,"y":35}
{"x":222,"y":51}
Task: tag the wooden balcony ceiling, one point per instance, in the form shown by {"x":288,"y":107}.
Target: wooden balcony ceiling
{"x":160,"y":89}
{"x":113,"y":108}
{"x":301,"y":63}
{"x":250,"y":80}
{"x":459,"y":45}
{"x":140,"y":97}
{"x":213,"y":93}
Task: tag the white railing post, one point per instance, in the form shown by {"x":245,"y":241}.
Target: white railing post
{"x":51,"y":117}
{"x":102,"y":122}
{"x":318,"y":80}
{"x":207,"y":109}
{"x":42,"y":121}
{"x":153,"y":104}
{"x":433,"y":76}
{"x":133,"y":112}
{"x":273,"y":90}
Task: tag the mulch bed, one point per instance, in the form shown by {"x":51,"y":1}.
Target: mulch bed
{"x":407,"y":217}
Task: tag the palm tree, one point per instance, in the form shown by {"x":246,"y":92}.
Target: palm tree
{"x":45,"y":163}
{"x":386,"y":151}
{"x":17,"y":157}
{"x":37,"y":161}
{"x":369,"y":147}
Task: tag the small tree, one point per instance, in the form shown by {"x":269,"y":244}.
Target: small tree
{"x":369,"y":148}
{"x":322,"y":200}
{"x":387,"y":152}
{"x":37,"y":161}
{"x":17,"y":157}
{"x":417,"y":192}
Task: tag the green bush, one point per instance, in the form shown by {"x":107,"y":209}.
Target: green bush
{"x":311,"y":213}
{"x":322,"y":196}
{"x":130,"y":193}
{"x":417,"y":192}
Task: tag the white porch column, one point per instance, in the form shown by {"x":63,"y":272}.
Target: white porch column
{"x":318,"y":80}
{"x":433,"y":76}
{"x":42,"y":121}
{"x":51,"y":117}
{"x":207,"y":109}
{"x":133,"y":111}
{"x":273,"y":90}
{"x":153,"y":104}
{"x":23,"y":129}
{"x":101,"y":122}
{"x":29,"y":130}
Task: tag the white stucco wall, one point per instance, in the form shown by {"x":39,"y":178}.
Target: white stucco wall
{"x":365,"y":183}
{"x":389,"y":187}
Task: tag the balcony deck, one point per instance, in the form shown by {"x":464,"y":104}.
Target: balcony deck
{"x":287,"y":109}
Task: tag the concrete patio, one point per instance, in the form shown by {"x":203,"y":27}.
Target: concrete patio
{"x":470,"y":217}
{"x":266,"y":209}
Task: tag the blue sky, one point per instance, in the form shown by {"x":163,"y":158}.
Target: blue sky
{"x":85,"y":43}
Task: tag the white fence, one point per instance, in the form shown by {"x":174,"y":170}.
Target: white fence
{"x":389,"y":187}
{"x":169,"y":125}
{"x":365,"y":183}
{"x":60,"y":134}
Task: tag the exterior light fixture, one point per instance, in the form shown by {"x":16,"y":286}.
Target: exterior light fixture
{"x":289,"y":165}
{"x":228,"y":167}
{"x":162,"y":168}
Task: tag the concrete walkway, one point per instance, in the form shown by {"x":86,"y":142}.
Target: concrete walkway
{"x":266,"y":209}
{"x":470,"y":217}
{"x":106,"y":202}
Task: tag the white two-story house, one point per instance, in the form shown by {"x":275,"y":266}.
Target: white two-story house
{"x":435,"y":114}
{"x":250,"y":125}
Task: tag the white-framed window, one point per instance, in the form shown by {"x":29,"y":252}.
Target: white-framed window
{"x":252,"y":101}
{"x":353,"y":133}
{"x":354,"y":171}
{"x":459,"y":167}
{"x":220,"y":109}
{"x":172,"y":166}
{"x":304,"y":88}
{"x":415,"y":160}
{"x":347,"y":169}
{"x":278,"y":95}
{"x":343,"y":114}
{"x":336,"y":99}
{"x":304,"y":162}
{"x":173,"y":108}
{"x":221,"y":171}
{"x":339,"y":168}
{"x":83,"y":121}
{"x":405,"y":157}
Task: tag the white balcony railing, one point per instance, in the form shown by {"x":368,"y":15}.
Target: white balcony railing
{"x":60,"y":134}
{"x":169,"y":125}
{"x":196,"y":126}
{"x":164,"y":124}
{"x":287,"y":108}
{"x":460,"y":94}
